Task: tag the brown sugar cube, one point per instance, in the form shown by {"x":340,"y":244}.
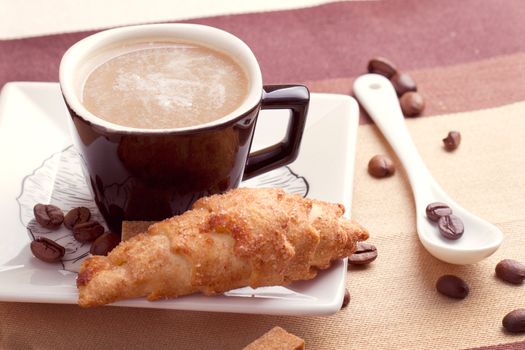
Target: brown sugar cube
{"x":276,"y":339}
{"x":133,"y":228}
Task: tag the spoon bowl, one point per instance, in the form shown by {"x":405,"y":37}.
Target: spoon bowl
{"x":480,"y":239}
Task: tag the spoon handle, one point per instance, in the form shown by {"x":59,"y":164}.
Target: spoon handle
{"x":377,"y":95}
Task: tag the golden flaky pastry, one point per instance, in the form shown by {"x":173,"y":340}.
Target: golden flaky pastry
{"x":246,"y":237}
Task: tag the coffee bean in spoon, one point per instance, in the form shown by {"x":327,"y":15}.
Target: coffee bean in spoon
{"x":452,"y":287}
{"x":381,"y":65}
{"x":47,"y":250}
{"x":412,"y":104}
{"x":76,"y":216}
{"x":514,"y":321}
{"x":511,"y":271}
{"x":48,"y":215}
{"x":451,"y":227}
{"x":381,"y":166}
{"x":403,"y":83}
{"x":365,"y":253}
{"x":452,"y":141}
{"x":436,"y":210}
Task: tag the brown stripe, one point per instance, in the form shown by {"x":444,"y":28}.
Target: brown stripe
{"x":458,"y":88}
{"x":330,"y":41}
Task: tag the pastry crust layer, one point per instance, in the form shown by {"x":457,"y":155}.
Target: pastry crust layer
{"x":245,"y":237}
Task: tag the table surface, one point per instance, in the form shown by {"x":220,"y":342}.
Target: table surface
{"x":468,"y":59}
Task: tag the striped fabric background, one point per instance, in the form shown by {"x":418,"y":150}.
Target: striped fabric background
{"x":463,"y":54}
{"x":466,"y":56}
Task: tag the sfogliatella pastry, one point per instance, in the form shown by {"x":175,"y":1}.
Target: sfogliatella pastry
{"x":245,"y":237}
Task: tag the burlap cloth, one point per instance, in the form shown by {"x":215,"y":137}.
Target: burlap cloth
{"x":394,"y":304}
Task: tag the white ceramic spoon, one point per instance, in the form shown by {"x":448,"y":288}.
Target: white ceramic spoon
{"x":377,"y":95}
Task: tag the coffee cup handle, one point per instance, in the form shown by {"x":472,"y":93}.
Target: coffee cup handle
{"x":296,"y":98}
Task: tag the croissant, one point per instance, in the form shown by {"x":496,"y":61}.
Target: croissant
{"x":245,"y":237}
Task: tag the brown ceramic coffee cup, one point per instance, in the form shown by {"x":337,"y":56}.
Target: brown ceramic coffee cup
{"x":152,"y":174}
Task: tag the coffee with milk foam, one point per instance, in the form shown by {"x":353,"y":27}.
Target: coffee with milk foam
{"x":165,"y":85}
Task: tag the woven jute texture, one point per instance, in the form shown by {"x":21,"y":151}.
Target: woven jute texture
{"x":394,"y":304}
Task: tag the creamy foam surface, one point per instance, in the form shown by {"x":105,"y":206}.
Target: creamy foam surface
{"x":165,"y":85}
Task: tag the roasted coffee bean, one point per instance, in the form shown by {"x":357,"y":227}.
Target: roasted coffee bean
{"x":452,"y":286}
{"x":381,"y":65}
{"x":48,"y":215}
{"x":511,"y":271}
{"x":87,"y":231}
{"x":76,"y":216}
{"x":436,"y":210}
{"x":364,"y":254}
{"x":346,"y":299}
{"x":47,"y":250}
{"x":452,"y":140}
{"x":412,"y":104}
{"x":403,"y":83}
{"x":104,"y":244}
{"x":451,"y":227}
{"x":514,"y":321}
{"x":381,"y":166}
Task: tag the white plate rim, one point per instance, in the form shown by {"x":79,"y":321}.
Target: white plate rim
{"x":16,"y":293}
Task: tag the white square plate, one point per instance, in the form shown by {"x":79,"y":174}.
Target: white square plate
{"x":39,"y":165}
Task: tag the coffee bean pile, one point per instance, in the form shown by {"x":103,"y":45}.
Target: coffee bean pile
{"x":78,"y":220}
{"x":411,"y":102}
